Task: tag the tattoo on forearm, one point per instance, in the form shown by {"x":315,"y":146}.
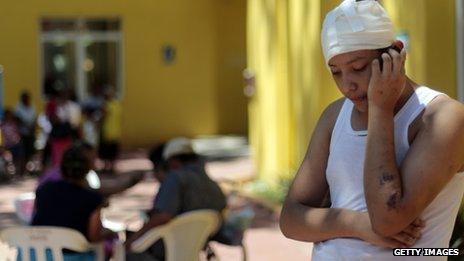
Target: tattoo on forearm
{"x":392,"y":202}
{"x":386,"y":178}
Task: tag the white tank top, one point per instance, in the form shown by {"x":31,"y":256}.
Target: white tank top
{"x":344,"y":175}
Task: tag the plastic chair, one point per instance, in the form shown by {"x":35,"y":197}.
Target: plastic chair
{"x":232,"y":231}
{"x":53,"y":238}
{"x":184,"y":237}
{"x":24,"y":207}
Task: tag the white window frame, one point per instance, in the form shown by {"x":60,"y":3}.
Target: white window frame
{"x":79,"y":38}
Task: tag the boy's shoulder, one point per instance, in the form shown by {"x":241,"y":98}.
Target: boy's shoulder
{"x":443,"y":107}
{"x":330,"y":114}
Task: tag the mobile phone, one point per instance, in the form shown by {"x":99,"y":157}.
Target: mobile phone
{"x":385,"y":50}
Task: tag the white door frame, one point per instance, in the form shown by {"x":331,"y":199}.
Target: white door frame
{"x":79,"y":39}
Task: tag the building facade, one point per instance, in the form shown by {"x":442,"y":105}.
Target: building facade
{"x":175,"y":65}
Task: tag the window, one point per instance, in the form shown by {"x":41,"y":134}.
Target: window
{"x":83,"y":55}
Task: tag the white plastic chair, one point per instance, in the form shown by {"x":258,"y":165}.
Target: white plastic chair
{"x":24,"y":207}
{"x":235,"y":223}
{"x":54,"y":238}
{"x":184,"y":236}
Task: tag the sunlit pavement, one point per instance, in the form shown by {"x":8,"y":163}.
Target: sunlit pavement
{"x":263,"y":239}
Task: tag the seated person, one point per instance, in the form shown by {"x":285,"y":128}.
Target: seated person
{"x":69,"y":202}
{"x":185,"y":186}
{"x":121,"y":184}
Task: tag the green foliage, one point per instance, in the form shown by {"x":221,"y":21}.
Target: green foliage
{"x":274,"y":193}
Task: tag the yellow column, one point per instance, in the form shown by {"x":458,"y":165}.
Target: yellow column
{"x":270,"y":111}
{"x":293,"y":85}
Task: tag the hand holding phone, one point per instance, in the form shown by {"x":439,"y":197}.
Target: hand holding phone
{"x":386,"y":50}
{"x":387,"y":78}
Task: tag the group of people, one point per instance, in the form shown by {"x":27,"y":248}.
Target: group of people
{"x":96,"y":120}
{"x":79,"y":134}
{"x":17,"y":129}
{"x":71,"y":202}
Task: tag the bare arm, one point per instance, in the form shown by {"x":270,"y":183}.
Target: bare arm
{"x":121,"y":184}
{"x":396,"y":195}
{"x":302,"y":218}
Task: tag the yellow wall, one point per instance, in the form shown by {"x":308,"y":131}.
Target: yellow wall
{"x":231,"y":55}
{"x":199,"y":94}
{"x":294,"y":86}
{"x":431,"y":28}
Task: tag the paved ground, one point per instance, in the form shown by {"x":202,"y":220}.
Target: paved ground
{"x":263,"y":240}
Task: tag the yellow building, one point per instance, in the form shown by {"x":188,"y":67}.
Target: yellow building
{"x":293,"y":85}
{"x":199,"y":90}
{"x":176,"y":65}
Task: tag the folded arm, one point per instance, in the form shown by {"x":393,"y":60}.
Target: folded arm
{"x":396,"y":195}
{"x":304,"y":219}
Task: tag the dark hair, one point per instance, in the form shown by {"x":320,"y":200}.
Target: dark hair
{"x":385,"y":50}
{"x":24,"y":94}
{"x":75,"y":162}
{"x":7,"y":111}
{"x":186,"y":158}
{"x":156,"y":156}
{"x":88,"y":111}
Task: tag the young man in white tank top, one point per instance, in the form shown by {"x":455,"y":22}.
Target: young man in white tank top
{"x":390,"y":153}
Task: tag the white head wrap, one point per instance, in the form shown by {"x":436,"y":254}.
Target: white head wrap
{"x":354,"y":26}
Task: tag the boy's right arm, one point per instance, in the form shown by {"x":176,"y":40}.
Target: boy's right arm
{"x":302,"y":217}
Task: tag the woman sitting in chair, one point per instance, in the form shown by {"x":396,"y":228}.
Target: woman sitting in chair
{"x":69,"y":202}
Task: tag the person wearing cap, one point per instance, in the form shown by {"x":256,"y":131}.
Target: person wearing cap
{"x":184,"y":187}
{"x":389,"y":154}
